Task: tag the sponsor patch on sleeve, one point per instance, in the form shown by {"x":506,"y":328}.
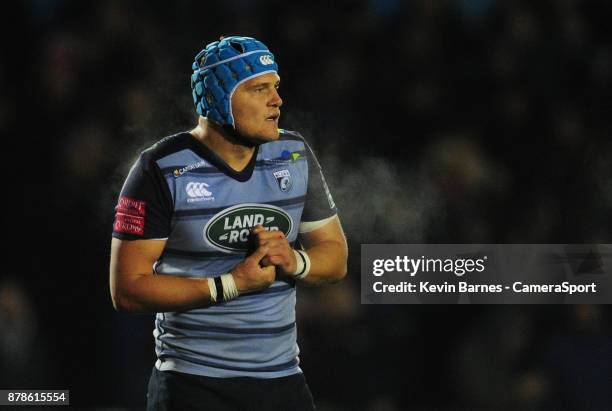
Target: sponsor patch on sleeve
{"x":130,"y":206}
{"x":128,"y":224}
{"x":130,"y":216}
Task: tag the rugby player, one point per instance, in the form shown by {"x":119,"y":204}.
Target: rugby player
{"x":213,"y":230}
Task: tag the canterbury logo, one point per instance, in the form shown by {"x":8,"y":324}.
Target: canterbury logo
{"x":266,"y":60}
{"x":198,"y":190}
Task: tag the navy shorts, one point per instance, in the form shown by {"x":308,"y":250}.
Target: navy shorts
{"x":173,"y":391}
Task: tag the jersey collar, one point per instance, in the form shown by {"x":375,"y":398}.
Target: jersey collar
{"x":206,"y":153}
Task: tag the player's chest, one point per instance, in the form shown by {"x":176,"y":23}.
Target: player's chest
{"x":222,"y":211}
{"x":270,"y":182}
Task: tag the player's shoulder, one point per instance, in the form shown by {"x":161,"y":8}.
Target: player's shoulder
{"x":290,"y":139}
{"x":288,"y":142}
{"x":297,"y":138}
{"x":290,"y":135}
{"x":167,"y":146}
{"x":151,"y":157}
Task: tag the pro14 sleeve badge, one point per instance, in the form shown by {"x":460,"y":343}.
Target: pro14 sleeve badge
{"x":130,"y":216}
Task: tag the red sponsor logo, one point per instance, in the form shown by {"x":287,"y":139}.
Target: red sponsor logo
{"x":125,"y":223}
{"x":130,"y":206}
{"x":130,"y":216}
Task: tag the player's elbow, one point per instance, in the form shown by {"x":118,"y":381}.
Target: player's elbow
{"x":119,"y":305}
{"x":120,"y":302}
{"x":123,"y":302}
{"x":341,"y":273}
{"x":342,"y":267}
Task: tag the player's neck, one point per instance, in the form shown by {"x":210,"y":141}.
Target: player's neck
{"x":236,"y":155}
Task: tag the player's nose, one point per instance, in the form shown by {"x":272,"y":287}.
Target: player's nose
{"x":276,"y":100}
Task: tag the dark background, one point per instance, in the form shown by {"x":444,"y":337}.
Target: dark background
{"x":435,"y":121}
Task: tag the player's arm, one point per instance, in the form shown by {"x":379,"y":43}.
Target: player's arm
{"x":326,"y":253}
{"x":135,"y":288}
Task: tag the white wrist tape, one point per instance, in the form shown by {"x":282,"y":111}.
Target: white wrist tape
{"x":222,"y":288}
{"x":229,"y":287}
{"x":303,"y":264}
{"x":212,"y":289}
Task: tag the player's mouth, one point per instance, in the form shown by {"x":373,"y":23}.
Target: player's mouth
{"x":274,"y":117}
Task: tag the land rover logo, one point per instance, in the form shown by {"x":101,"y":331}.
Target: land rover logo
{"x":229,"y":229}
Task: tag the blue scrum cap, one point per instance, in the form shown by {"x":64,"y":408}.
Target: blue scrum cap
{"x":221,"y":67}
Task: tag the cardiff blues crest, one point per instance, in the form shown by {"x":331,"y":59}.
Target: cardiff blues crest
{"x":284,"y":180}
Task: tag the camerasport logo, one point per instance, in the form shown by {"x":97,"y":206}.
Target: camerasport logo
{"x":198,"y":192}
{"x":229,"y":230}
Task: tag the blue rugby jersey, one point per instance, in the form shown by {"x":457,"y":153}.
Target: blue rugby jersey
{"x":181,"y":191}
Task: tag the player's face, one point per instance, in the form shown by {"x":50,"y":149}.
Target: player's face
{"x":256,"y":107}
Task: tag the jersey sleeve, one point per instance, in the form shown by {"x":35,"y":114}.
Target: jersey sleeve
{"x":319,"y":203}
{"x":144,"y":209}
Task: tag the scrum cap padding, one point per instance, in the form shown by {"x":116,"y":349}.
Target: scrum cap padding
{"x":220,"y":68}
